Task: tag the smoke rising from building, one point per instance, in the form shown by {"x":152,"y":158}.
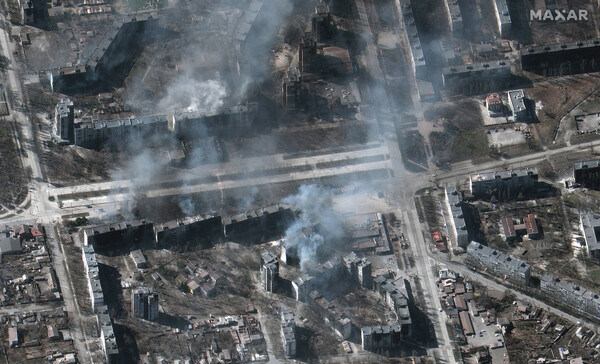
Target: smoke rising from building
{"x":318,"y":228}
{"x":192,"y":95}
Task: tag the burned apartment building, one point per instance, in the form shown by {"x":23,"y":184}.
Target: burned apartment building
{"x":587,"y":174}
{"x":503,"y":18}
{"x":308,"y":62}
{"x":397,"y":295}
{"x":381,"y":337}
{"x":235,"y":120}
{"x":117,"y":132}
{"x":559,"y":59}
{"x":359,"y":269}
{"x":457,"y":229}
{"x":269,"y":221}
{"x":477,"y":78}
{"x":269,"y":271}
{"x":292,"y":94}
{"x":119,"y":234}
{"x":590,"y":226}
{"x":197,"y":229}
{"x":321,"y":26}
{"x":329,"y":274}
{"x":417,"y":59}
{"x":504,"y":185}
{"x":454,"y":17}
{"x":64,"y":121}
{"x":499,"y":264}
{"x":144,"y":304}
{"x":342,"y":325}
{"x":513,"y":231}
{"x":288,"y":333}
{"x":127,"y":32}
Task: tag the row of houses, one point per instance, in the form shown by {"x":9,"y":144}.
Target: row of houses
{"x":107,"y":334}
{"x":272,"y":220}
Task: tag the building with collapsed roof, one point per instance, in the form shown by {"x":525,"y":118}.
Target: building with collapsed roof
{"x":559,"y":59}
{"x":504,"y":185}
{"x":587,"y":174}
{"x":271,"y":220}
{"x":338,"y":60}
{"x":119,"y":234}
{"x":323,"y":275}
{"x":331,"y":315}
{"x":226,"y":123}
{"x":292,"y":93}
{"x":198,"y":228}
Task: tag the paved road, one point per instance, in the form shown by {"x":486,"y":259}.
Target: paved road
{"x":66,"y":287}
{"x":402,"y":184}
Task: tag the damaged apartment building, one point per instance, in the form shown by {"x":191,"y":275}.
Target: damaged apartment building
{"x":186,"y":126}
{"x":338,"y":275}
{"x":264,"y":222}
{"x":318,"y":57}
{"x":127,"y":32}
{"x":517,"y":272}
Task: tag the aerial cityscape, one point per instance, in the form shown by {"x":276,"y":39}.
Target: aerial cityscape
{"x":300,"y":181}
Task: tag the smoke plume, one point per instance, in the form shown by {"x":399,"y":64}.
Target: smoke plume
{"x":318,"y":228}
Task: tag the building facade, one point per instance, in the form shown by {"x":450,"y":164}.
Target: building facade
{"x":144,"y":304}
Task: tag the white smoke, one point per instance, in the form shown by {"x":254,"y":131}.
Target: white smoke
{"x":301,"y":238}
{"x":188,"y":94}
